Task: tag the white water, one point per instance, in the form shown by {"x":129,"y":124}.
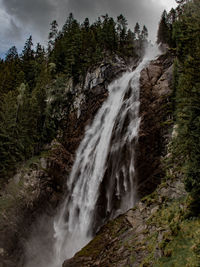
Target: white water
{"x":105,"y":156}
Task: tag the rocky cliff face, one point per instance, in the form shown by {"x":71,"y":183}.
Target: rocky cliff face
{"x":39,"y":185}
{"x":124,"y":241}
{"x":156,"y":119}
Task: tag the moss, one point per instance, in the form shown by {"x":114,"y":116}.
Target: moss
{"x":93,"y":248}
{"x":168,"y":122}
{"x":113,"y":229}
{"x":180,"y":242}
{"x":132,"y":258}
{"x":151,"y":246}
{"x":183,"y":249}
{"x":150,"y":199}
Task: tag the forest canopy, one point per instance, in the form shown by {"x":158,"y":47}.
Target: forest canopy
{"x":28,"y":119}
{"x":180,"y":30}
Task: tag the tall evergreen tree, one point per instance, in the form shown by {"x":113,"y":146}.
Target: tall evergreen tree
{"x":163,"y":29}
{"x":86,"y":24}
{"x":12,"y":54}
{"x":28,"y":63}
{"x":144,"y":33}
{"x":137,"y":30}
{"x":122,"y":27}
{"x":52,"y":35}
{"x":67,"y":27}
{"x":28,"y":52}
{"x":187,"y":81}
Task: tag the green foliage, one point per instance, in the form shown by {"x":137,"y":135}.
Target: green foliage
{"x":182,"y":249}
{"x":163,"y":30}
{"x":187,"y":89}
{"x":25,"y":124}
{"x":52,"y":35}
{"x":176,"y":238}
{"x":77,"y":47}
{"x":137,"y":30}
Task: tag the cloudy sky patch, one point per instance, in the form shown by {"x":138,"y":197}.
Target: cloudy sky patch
{"x":21,"y":18}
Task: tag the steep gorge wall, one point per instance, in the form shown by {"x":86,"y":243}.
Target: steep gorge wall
{"x":115,"y":243}
{"x":156,"y":118}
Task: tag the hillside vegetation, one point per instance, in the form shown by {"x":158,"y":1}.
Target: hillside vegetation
{"x":180,"y":29}
{"x":33,"y":84}
{"x":163,"y":229}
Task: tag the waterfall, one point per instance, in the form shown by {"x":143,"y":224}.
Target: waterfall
{"x":103,"y":182}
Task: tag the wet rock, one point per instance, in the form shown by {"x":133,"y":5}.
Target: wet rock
{"x":155,"y":89}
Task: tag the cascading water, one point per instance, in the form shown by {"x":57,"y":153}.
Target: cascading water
{"x":73,"y":228}
{"x":102,"y":183}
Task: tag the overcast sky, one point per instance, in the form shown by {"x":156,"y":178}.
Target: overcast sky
{"x":21,"y":18}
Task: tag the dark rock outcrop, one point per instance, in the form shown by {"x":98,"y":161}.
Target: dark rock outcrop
{"x":155,"y":112}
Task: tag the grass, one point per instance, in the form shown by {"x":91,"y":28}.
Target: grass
{"x":183,"y":249}
{"x":180,"y":243}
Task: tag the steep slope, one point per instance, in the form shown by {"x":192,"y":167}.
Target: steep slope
{"x":139,"y":237}
{"x":156,"y":118}
{"x":156,"y":232}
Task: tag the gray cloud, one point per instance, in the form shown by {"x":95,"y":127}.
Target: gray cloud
{"x":10,"y":33}
{"x":31,"y":14}
{"x":143,"y":11}
{"x":13,"y":31}
{"x":25,"y":17}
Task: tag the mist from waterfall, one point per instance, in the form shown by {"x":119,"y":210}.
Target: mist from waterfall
{"x":103,"y":174}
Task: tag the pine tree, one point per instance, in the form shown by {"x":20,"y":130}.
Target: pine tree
{"x":163,"y":29}
{"x":28,"y":53}
{"x":12,"y":54}
{"x":86,"y":24}
{"x":28,"y":63}
{"x":9,"y":143}
{"x":67,"y":27}
{"x":186,"y":37}
{"x":122,"y":27}
{"x":137,"y":30}
{"x":52,"y":35}
{"x":144,"y":33}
